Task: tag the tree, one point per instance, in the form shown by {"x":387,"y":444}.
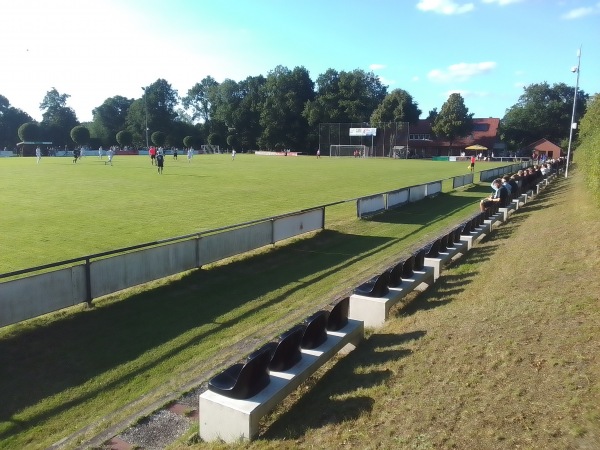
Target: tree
{"x":157,"y":106}
{"x":80,"y":135}
{"x":29,"y":131}
{"x":57,"y":119}
{"x":124,"y":138}
{"x":198,"y":101}
{"x":191,"y":141}
{"x":286,"y":92}
{"x":542,"y":112}
{"x":214,"y":139}
{"x":158,"y":138}
{"x":397,"y":106}
{"x":110,"y":118}
{"x":232,"y":141}
{"x":432,"y":115}
{"x":454,"y":120}
{"x":10,"y":120}
{"x":247,"y":116}
{"x":136,"y":122}
{"x":343,"y":97}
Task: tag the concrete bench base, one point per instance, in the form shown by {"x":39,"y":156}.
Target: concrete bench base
{"x":494,"y":221}
{"x":444,"y":258}
{"x":474,"y":236}
{"x":374,"y":311}
{"x":506,"y":212}
{"x":233,"y":420}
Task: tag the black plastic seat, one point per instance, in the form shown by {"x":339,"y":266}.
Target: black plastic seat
{"x":450,"y":239}
{"x":420,"y":259}
{"x":443,"y":243}
{"x":457,"y":234}
{"x":481,"y":218}
{"x":244,"y":380}
{"x":286,"y":352}
{"x":338,"y":316}
{"x":316,"y":330}
{"x":408,"y":267}
{"x":395,"y":278}
{"x":433,"y":249}
{"x":466,"y":228}
{"x":375,"y":287}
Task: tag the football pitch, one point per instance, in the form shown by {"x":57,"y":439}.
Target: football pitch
{"x":58,"y":210}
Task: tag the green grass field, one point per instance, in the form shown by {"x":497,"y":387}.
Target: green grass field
{"x":58,"y":210}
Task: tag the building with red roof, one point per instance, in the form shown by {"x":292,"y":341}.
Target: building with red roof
{"x":423,"y":143}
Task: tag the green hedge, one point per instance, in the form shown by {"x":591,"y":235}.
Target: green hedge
{"x":587,"y":155}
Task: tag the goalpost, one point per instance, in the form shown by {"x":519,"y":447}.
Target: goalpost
{"x":208,"y":148}
{"x":359,"y":151}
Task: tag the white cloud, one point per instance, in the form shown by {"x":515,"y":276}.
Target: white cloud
{"x":377,"y":66}
{"x":447,"y":7}
{"x":460,"y":72}
{"x":386,"y":81}
{"x":415,"y":78}
{"x":578,"y":13}
{"x":502,"y":2}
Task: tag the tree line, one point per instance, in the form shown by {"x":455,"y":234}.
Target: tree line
{"x":280,"y":110}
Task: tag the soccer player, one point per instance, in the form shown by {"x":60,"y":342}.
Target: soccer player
{"x":160,"y":161}
{"x":38,"y":154}
{"x":190,"y":154}
{"x":232,"y":155}
{"x":110,"y":153}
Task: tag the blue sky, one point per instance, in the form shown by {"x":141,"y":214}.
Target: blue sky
{"x":487,"y":50}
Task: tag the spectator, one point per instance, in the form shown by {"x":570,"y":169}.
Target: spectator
{"x":499,"y":198}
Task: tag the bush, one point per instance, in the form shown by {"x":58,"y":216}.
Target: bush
{"x":588,"y":151}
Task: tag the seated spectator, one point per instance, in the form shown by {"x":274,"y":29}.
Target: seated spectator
{"x":508,"y":187}
{"x":500,"y":197}
{"x":515,"y":182}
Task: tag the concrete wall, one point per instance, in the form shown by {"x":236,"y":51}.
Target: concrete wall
{"x":433,"y":188}
{"x":397,"y":198}
{"x":462,"y":180}
{"x":130,"y":269}
{"x":366,"y":206}
{"x":417,"y":193}
{"x":218,"y":246}
{"x":289,"y":226}
{"x":40,"y":294}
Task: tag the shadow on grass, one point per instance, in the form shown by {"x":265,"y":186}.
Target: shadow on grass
{"x":320,"y":407}
{"x":427,"y":211}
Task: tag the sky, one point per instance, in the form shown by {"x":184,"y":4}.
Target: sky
{"x":486,"y":50}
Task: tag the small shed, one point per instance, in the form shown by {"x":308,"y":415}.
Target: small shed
{"x":27,"y":148}
{"x":545,"y":147}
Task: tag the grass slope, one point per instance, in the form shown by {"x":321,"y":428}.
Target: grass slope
{"x":58,"y":210}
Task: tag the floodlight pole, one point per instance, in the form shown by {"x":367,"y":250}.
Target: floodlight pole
{"x":573,"y":123}
{"x":146,"y":113}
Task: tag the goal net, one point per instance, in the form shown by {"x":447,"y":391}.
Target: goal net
{"x":208,"y":149}
{"x":358,"y":151}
